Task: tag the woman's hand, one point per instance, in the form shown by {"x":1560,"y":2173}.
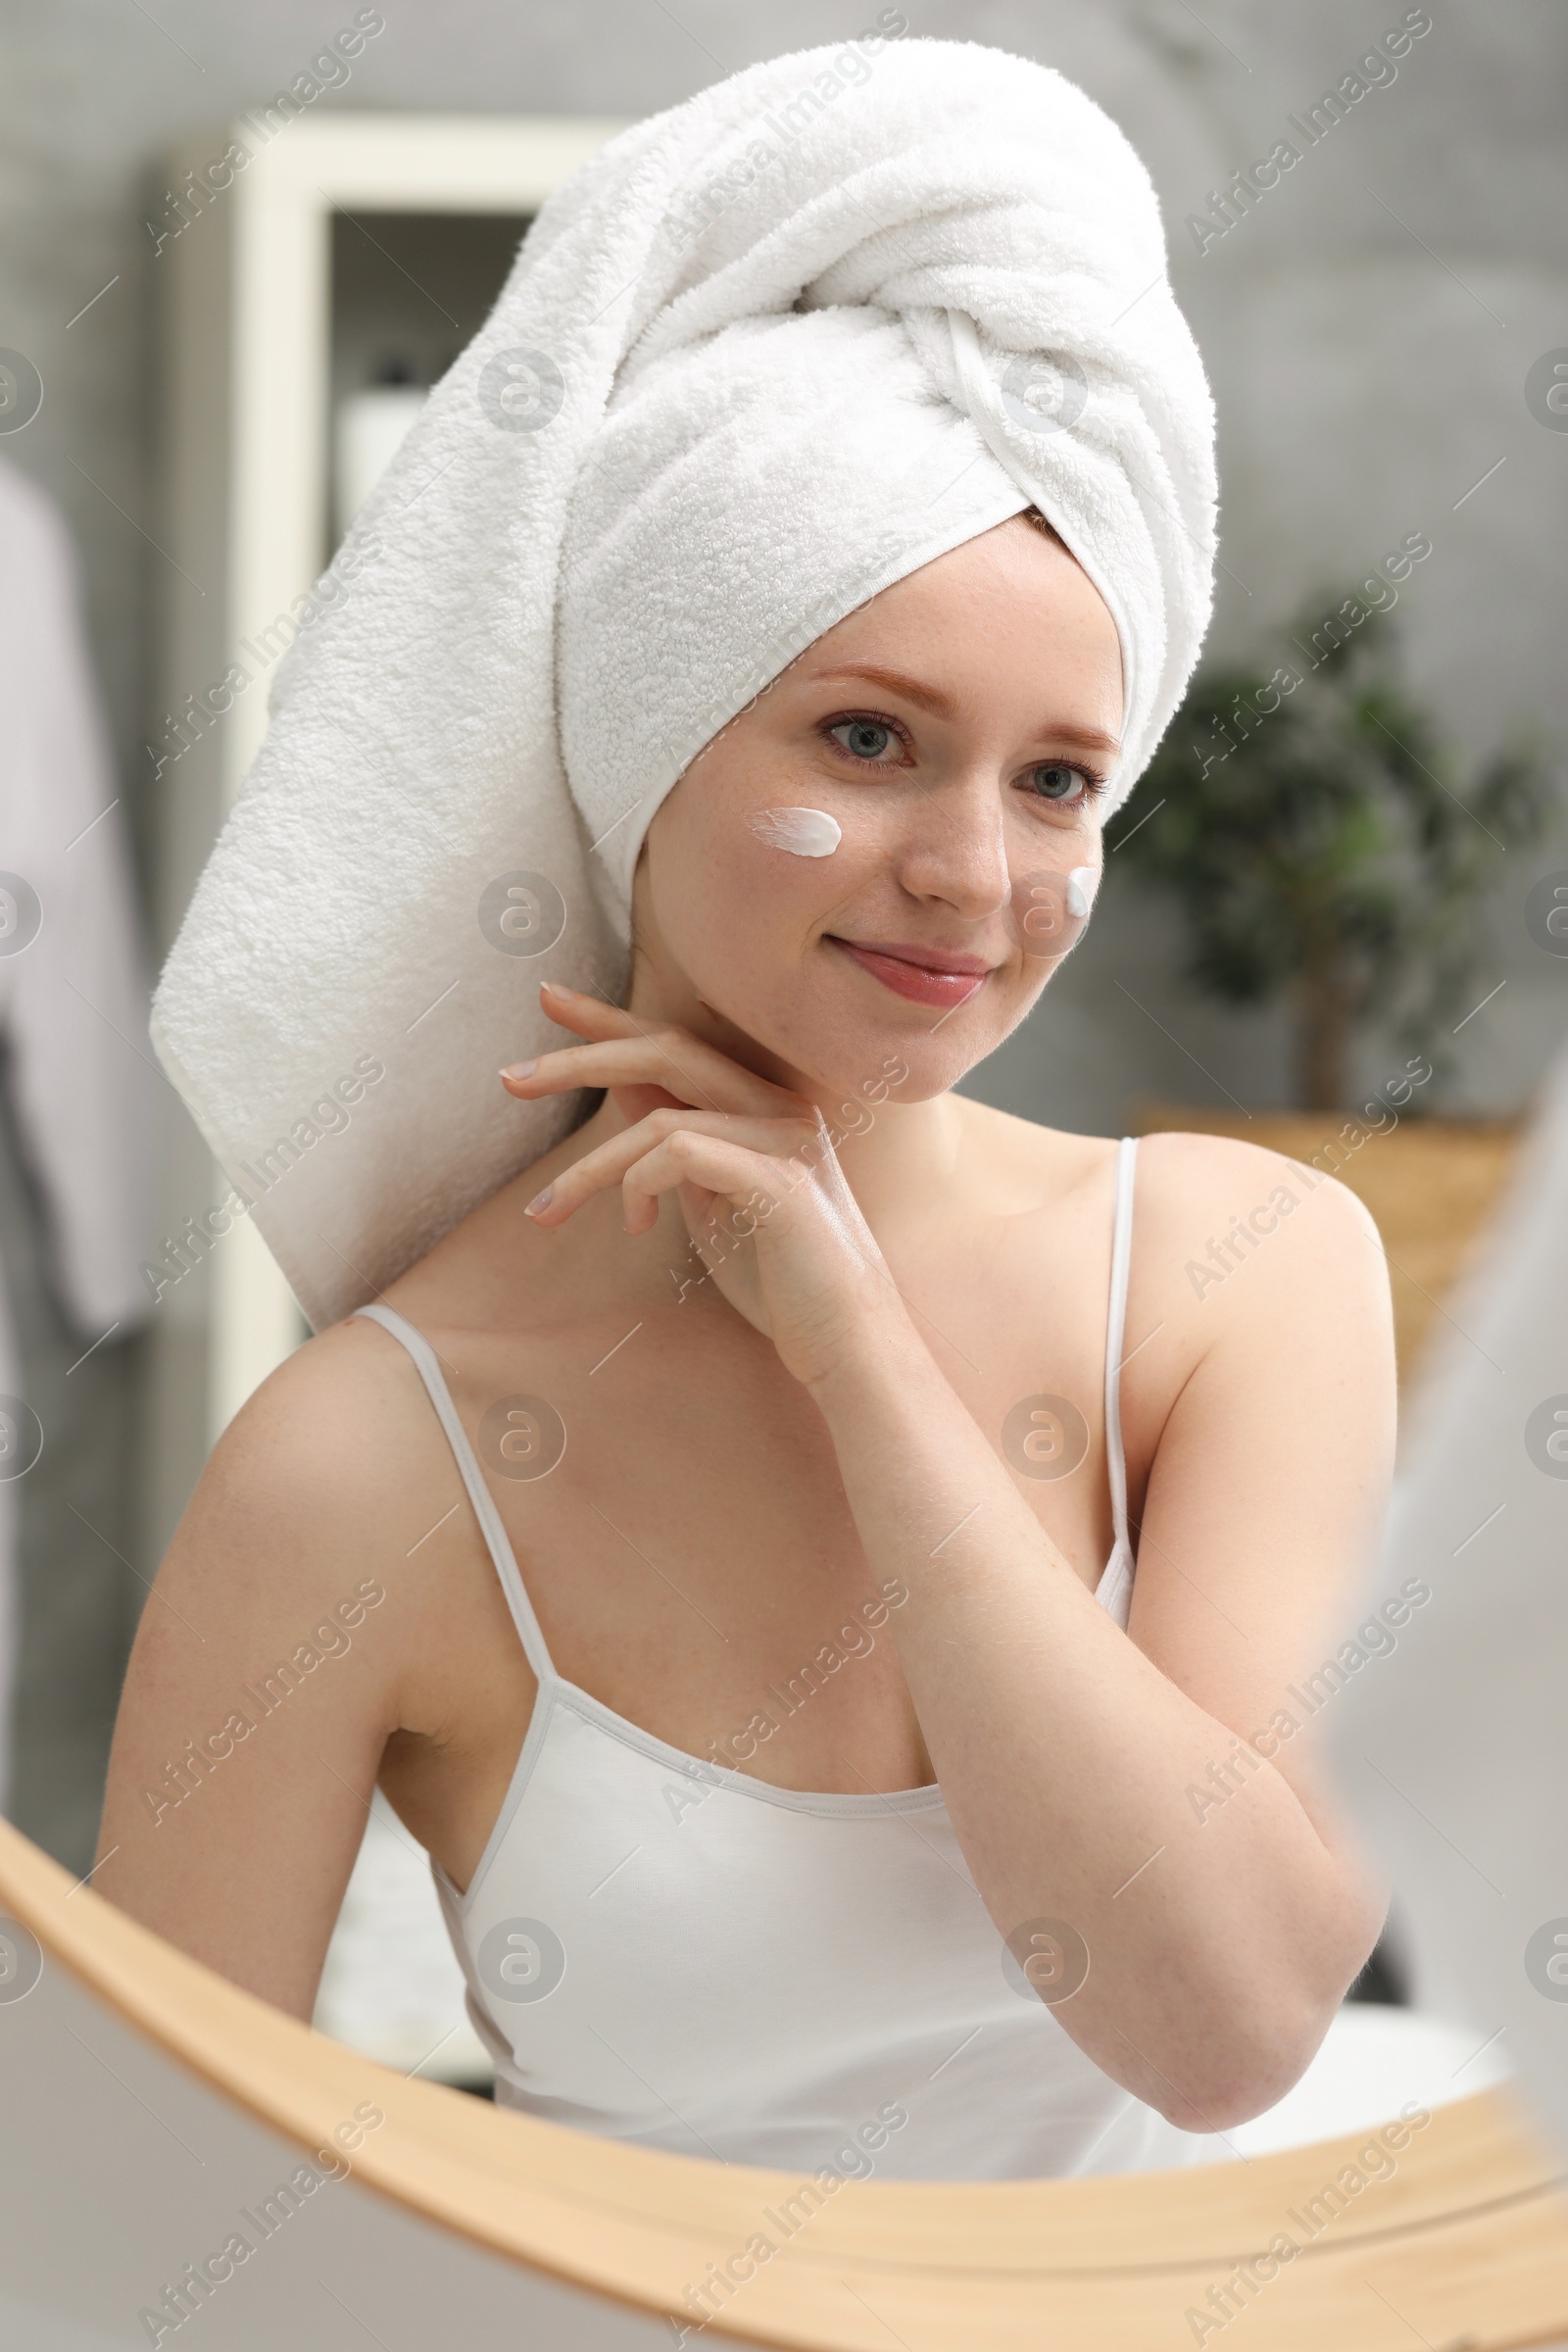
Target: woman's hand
{"x":754,"y":1167}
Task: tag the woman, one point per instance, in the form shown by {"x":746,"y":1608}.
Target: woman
{"x":754,"y":1632}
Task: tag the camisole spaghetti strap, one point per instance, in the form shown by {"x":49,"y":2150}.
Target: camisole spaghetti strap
{"x":663,"y":1951}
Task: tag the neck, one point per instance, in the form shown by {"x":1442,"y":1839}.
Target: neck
{"x":895,"y":1157}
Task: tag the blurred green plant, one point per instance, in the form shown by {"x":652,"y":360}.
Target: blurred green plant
{"x":1312,"y":828}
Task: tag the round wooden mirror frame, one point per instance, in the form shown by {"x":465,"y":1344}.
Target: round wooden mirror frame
{"x":1465,"y":2245}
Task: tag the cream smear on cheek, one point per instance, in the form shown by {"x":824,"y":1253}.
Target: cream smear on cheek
{"x":813,"y":833}
{"x":1082,"y":884}
{"x":804,"y":832}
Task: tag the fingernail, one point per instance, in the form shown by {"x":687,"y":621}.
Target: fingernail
{"x":520,"y":1070}
{"x":540,"y":1200}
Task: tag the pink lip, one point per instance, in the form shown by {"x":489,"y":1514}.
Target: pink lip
{"x":924,"y":975}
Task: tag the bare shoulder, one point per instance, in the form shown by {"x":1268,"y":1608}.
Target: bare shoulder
{"x":1209,"y":1205}
{"x":1203,"y":1203}
{"x":324,"y":1430}
{"x":1267,"y":1286}
{"x":1259,"y":1411}
{"x":325,"y":1478}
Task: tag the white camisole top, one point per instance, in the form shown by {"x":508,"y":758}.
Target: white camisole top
{"x":663,"y":1951}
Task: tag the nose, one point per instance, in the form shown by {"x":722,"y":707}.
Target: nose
{"x":956,"y":849}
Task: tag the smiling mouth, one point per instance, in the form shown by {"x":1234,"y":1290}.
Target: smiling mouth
{"x":922,"y":975}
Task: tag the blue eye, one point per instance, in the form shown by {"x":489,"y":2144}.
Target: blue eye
{"x":863,"y":738}
{"x":1057,"y":782}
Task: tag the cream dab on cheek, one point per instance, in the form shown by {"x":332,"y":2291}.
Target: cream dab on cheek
{"x":804,"y":832}
{"x":1082,"y":884}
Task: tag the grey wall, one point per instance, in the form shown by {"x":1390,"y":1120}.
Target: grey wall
{"x":1368,"y":331}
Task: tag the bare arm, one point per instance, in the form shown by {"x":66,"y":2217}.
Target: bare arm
{"x":264,"y":1683}
{"x":1221,"y":1915}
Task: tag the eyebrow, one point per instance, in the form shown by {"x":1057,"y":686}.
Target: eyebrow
{"x":942,"y":706}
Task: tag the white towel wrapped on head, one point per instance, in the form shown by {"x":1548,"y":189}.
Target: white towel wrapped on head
{"x":757,"y":360}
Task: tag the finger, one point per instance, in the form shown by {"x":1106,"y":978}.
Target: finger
{"x":663,"y":1054}
{"x":633,"y":1102}
{"x":621,"y":1052}
{"x":597,"y":1170}
{"x":709,"y":1164}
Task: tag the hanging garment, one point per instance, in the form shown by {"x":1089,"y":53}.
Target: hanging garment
{"x":82,"y":1085}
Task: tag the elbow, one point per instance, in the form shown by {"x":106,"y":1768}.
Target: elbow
{"x":1219,"y":2098}
{"x":1238,"y":2039}
{"x":1245,"y":2071}
{"x":1255,"y":2048}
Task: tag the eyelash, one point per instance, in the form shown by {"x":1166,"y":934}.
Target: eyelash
{"x":1094,"y":778}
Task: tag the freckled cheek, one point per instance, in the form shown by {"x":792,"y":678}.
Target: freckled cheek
{"x":739,"y":916}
